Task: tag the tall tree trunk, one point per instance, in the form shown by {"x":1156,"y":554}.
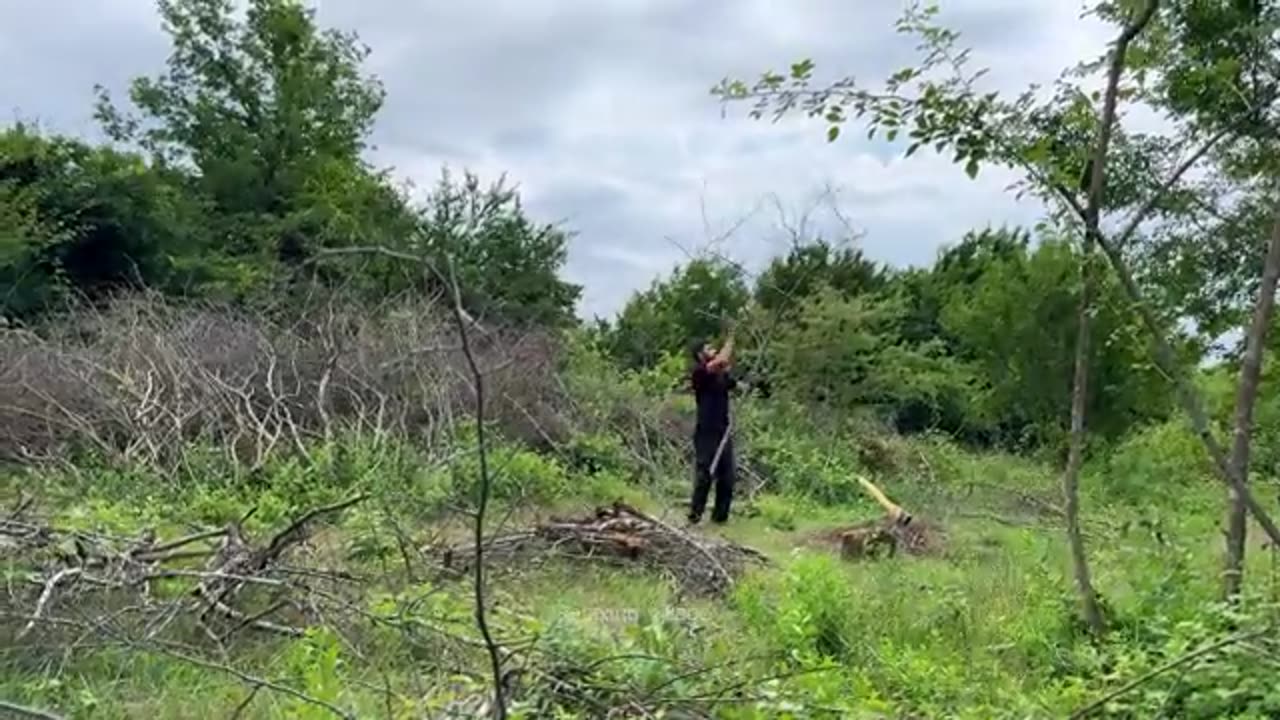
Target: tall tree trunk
{"x":1165,"y":357}
{"x":1096,"y":185}
{"x":1075,"y":455}
{"x":1246,"y":398}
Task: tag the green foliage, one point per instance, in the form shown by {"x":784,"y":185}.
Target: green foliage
{"x":1208,"y":267}
{"x":790,"y":280}
{"x":985,"y":631}
{"x":87,"y":220}
{"x":798,"y":458}
{"x":1167,"y":455}
{"x":846,"y":353}
{"x":778,"y":513}
{"x":1016,"y":322}
{"x":980,"y":345}
{"x":937,"y":104}
{"x":270,"y":113}
{"x":808,"y":615}
{"x":516,"y":474}
{"x":1214,"y":60}
{"x":255,"y":135}
{"x":254,"y":138}
{"x":1212,"y":63}
{"x":316,"y":661}
{"x":693,"y":302}
{"x":253,"y":98}
{"x":506,"y":265}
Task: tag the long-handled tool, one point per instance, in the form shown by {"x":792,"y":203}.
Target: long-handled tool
{"x":724,"y":441}
{"x":728,"y":428}
{"x":896,"y":513}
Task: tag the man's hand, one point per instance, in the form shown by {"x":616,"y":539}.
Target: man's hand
{"x":723,"y":357}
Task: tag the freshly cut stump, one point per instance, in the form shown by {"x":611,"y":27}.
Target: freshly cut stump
{"x":882,"y":538}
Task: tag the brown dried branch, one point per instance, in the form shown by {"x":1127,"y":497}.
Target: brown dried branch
{"x":114,"y":568}
{"x":141,"y":379}
{"x":622,"y":533}
{"x":297,"y":529}
{"x":45,"y":595}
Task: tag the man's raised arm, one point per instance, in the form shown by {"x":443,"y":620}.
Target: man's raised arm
{"x":723,"y":358}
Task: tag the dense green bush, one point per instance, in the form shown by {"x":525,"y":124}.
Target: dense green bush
{"x":981,"y":345}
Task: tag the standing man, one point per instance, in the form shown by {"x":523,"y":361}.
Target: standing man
{"x":712,"y":443}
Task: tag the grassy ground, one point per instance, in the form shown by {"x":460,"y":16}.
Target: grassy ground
{"x":986,"y":628}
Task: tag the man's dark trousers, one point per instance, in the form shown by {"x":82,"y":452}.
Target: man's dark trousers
{"x":705,"y":444}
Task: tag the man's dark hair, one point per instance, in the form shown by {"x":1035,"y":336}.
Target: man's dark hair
{"x":695,"y":349}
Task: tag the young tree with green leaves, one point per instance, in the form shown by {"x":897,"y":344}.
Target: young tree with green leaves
{"x":1217,"y":64}
{"x":1036,"y":137}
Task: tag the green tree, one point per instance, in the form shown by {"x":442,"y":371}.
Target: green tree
{"x":271,"y":114}
{"x":924,"y":292}
{"x":808,"y":267}
{"x":949,"y":113}
{"x":506,"y":264}
{"x":1016,"y":322}
{"x":1217,"y":64}
{"x":845,"y":352}
{"x":693,"y":302}
{"x":87,"y":221}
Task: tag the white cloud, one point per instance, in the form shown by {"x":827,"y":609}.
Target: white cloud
{"x":601,"y":111}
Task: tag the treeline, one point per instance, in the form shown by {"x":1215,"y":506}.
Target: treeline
{"x":980,"y":345}
{"x":238,"y":173}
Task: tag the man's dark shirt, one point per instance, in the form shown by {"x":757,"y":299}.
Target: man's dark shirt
{"x":711,"y":390}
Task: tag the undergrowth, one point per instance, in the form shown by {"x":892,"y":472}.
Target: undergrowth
{"x":985,"y":629}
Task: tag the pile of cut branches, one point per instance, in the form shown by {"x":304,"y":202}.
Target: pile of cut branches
{"x":98,"y":587}
{"x":622,"y":534}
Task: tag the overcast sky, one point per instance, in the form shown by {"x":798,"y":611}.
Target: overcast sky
{"x":600,"y":111}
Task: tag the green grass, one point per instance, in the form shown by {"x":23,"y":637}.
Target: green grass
{"x":986,"y":629}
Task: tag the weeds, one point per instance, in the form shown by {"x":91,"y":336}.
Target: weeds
{"x":986,"y":629}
